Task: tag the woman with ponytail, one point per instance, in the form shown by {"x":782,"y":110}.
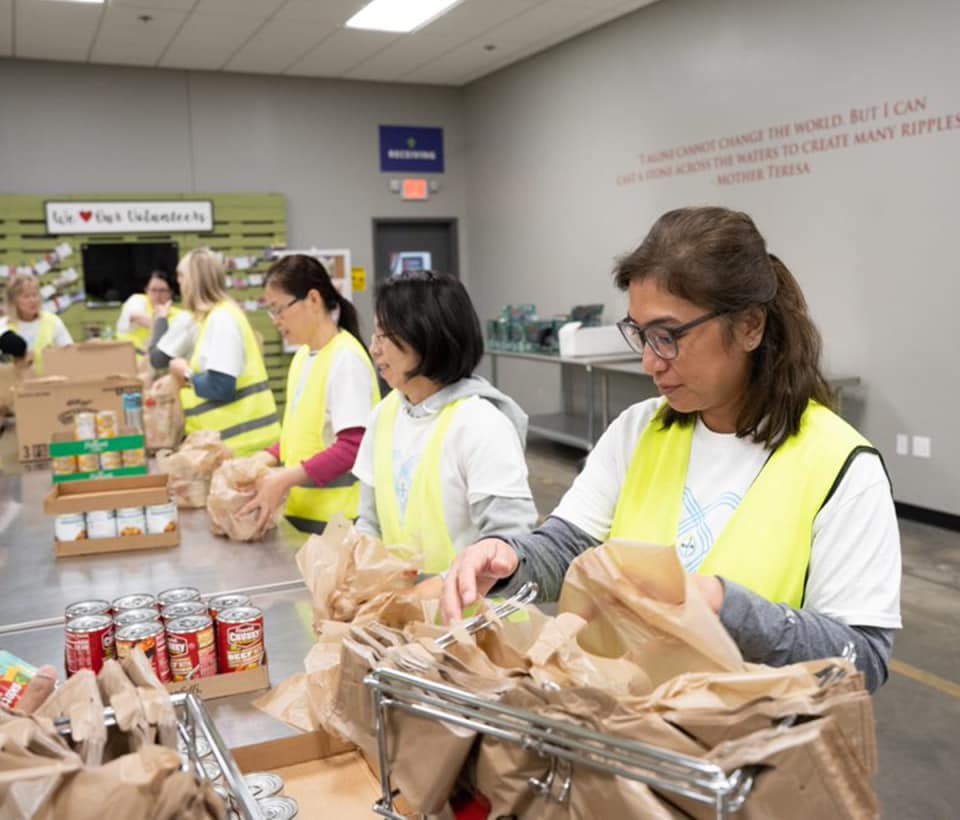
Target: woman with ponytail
{"x":331,"y":390}
{"x":782,"y":511}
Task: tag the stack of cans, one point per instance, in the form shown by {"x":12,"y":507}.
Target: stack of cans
{"x":153,"y":520}
{"x":183,"y":637}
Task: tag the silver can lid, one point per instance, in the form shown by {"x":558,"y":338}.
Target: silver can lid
{"x":135,"y":616}
{"x":92,"y":607}
{"x":211,"y":768}
{"x":200,"y":745}
{"x":279,"y":808}
{"x":178,"y":595}
{"x":140,"y":631}
{"x":138,"y":600}
{"x":88,"y":623}
{"x":189,"y":623}
{"x":239,"y":614}
{"x":263,"y":784}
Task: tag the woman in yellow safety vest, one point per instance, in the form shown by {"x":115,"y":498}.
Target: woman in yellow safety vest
{"x":441,"y":463}
{"x":142,"y":311}
{"x":331,"y":389}
{"x":224,"y":386}
{"x":781,"y":509}
{"x":39,"y":328}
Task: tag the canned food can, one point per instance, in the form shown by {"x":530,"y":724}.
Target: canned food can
{"x":240,"y":638}
{"x":161,"y":518}
{"x":200,"y":745}
{"x":131,"y":521}
{"x":106,"y":424}
{"x":111,"y":460}
{"x":279,"y":808}
{"x":222,"y":602}
{"x":89,"y":641}
{"x":137,"y":600}
{"x":94,"y":606}
{"x":177,"y":595}
{"x":191,"y":648}
{"x":135,"y":616}
{"x":263,"y":784}
{"x":183,"y":608}
{"x":63,"y":465}
{"x":150,"y":638}
{"x":134,"y":458}
{"x":84,"y":426}
{"x":88,"y":463}
{"x":70,"y":527}
{"x":211,"y":768}
{"x":101,"y":524}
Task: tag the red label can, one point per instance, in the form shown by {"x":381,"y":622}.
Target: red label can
{"x":178,"y":595}
{"x":222,"y":602}
{"x":151,"y":638}
{"x":91,"y":607}
{"x":134,"y":616}
{"x":139,"y":600}
{"x":173,"y":611}
{"x":190,"y":645}
{"x":89,"y":642}
{"x":240,"y":639}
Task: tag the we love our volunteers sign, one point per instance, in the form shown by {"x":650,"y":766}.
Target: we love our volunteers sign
{"x":174,"y":216}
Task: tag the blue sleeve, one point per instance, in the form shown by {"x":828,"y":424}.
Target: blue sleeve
{"x":213,"y":385}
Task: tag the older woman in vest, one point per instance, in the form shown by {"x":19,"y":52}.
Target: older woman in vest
{"x":39,"y":328}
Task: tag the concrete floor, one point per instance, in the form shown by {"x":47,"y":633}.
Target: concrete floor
{"x":918,"y":710}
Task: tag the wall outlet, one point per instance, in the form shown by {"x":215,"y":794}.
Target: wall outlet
{"x":921,"y":446}
{"x":903,"y":444}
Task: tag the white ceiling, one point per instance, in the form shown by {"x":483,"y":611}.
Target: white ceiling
{"x":304,"y":38}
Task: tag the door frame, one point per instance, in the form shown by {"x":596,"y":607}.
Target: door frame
{"x":450,"y":222}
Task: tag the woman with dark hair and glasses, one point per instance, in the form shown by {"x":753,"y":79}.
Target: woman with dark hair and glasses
{"x":781,"y":510}
{"x":331,"y":389}
{"x":441,"y":464}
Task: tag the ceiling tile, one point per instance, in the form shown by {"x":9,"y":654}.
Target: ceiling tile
{"x":327,"y":12}
{"x":207,"y":42}
{"x":260,"y":9}
{"x":341,"y":51}
{"x":276,"y":45}
{"x":55,"y":31}
{"x":125,"y":38}
{"x":162,"y":5}
{"x":6,"y":28}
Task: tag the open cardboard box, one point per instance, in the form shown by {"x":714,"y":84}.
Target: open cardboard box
{"x":110,"y":494}
{"x":325,"y":774}
{"x":127,"y":438}
{"x":224,"y":684}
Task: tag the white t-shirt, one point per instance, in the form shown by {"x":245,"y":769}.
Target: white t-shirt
{"x":137,"y":303}
{"x":854,"y":573}
{"x":349,"y":390}
{"x":222,"y":346}
{"x":482,"y":457}
{"x":30,"y":330}
{"x":180,"y":336}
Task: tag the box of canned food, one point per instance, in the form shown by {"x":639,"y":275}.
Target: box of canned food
{"x":97,"y":449}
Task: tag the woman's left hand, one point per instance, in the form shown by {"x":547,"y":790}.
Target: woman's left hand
{"x":711,"y":587}
{"x":270,"y":492}
{"x":179,"y":368}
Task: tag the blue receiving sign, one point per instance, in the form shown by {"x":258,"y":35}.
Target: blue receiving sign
{"x":411,"y":148}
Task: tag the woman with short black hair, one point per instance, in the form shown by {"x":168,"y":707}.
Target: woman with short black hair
{"x":441,"y":463}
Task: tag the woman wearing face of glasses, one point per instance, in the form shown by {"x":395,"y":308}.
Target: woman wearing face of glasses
{"x":145,"y":316}
{"x":441,"y":463}
{"x":331,"y":390}
{"x":781,"y":509}
{"x":224,"y":385}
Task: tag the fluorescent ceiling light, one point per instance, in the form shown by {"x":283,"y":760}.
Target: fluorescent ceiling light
{"x":398,"y":15}
{"x":84,"y":1}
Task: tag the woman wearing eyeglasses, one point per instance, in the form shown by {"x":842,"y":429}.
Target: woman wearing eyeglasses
{"x":142,"y":312}
{"x":441,"y":464}
{"x":331,"y":390}
{"x":780,"y":509}
{"x":224,"y":386}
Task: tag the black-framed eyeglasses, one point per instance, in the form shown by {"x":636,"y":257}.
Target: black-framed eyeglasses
{"x":662,"y":339}
{"x":276,"y":313}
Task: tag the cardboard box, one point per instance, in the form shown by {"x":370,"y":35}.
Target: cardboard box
{"x":122,"y":543}
{"x":128,"y":438}
{"x":321,"y":772}
{"x":224,"y":685}
{"x":90,"y":359}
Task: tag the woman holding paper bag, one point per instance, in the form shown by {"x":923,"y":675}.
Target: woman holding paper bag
{"x":331,"y":390}
{"x":224,"y":386}
{"x":781,"y":509}
{"x":25,"y":317}
{"x":441,"y":463}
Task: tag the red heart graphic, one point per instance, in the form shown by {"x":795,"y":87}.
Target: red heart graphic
{"x":85,"y":215}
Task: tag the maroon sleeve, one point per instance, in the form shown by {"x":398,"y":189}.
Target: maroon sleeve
{"x":337,"y":459}
{"x":274,"y":450}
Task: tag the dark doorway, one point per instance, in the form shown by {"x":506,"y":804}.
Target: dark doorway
{"x":403,"y":241}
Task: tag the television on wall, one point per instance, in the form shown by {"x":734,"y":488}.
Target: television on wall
{"x":112,"y":271}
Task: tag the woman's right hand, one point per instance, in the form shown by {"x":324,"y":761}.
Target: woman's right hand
{"x":473,"y":574}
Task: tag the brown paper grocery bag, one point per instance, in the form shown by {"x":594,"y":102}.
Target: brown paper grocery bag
{"x":232,"y":486}
{"x":78,"y":699}
{"x":154,"y":698}
{"x":191,"y":467}
{"x":133,"y":728}
{"x":640,"y":604}
{"x":162,"y":415}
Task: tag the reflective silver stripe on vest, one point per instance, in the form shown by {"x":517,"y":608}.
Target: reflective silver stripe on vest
{"x":247,"y":426}
{"x":207,"y":406}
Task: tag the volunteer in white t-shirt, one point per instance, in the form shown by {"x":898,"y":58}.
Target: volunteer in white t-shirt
{"x":39,"y":328}
{"x":331,"y":390}
{"x":780,"y":508}
{"x":441,"y":463}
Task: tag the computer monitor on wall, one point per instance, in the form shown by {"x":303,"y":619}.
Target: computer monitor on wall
{"x":112,"y":271}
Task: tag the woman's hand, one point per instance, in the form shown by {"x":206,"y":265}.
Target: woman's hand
{"x":711,"y":587}
{"x":271,"y":489}
{"x":179,"y":369}
{"x":473,"y":574}
{"x":140,"y":319}
{"x":161,"y":311}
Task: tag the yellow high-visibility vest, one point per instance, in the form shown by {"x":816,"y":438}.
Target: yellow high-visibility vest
{"x":250,"y":422}
{"x":423,"y":527}
{"x":45,"y":335}
{"x":303,"y":428}
{"x":140,"y":336}
{"x":766,"y":544}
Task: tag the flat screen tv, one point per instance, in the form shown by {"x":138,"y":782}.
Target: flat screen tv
{"x":112,"y":271}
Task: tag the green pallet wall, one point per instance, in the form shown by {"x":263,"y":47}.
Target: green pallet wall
{"x":245,"y":225}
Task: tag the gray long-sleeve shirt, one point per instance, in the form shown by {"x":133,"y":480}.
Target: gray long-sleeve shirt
{"x":765,"y":632}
